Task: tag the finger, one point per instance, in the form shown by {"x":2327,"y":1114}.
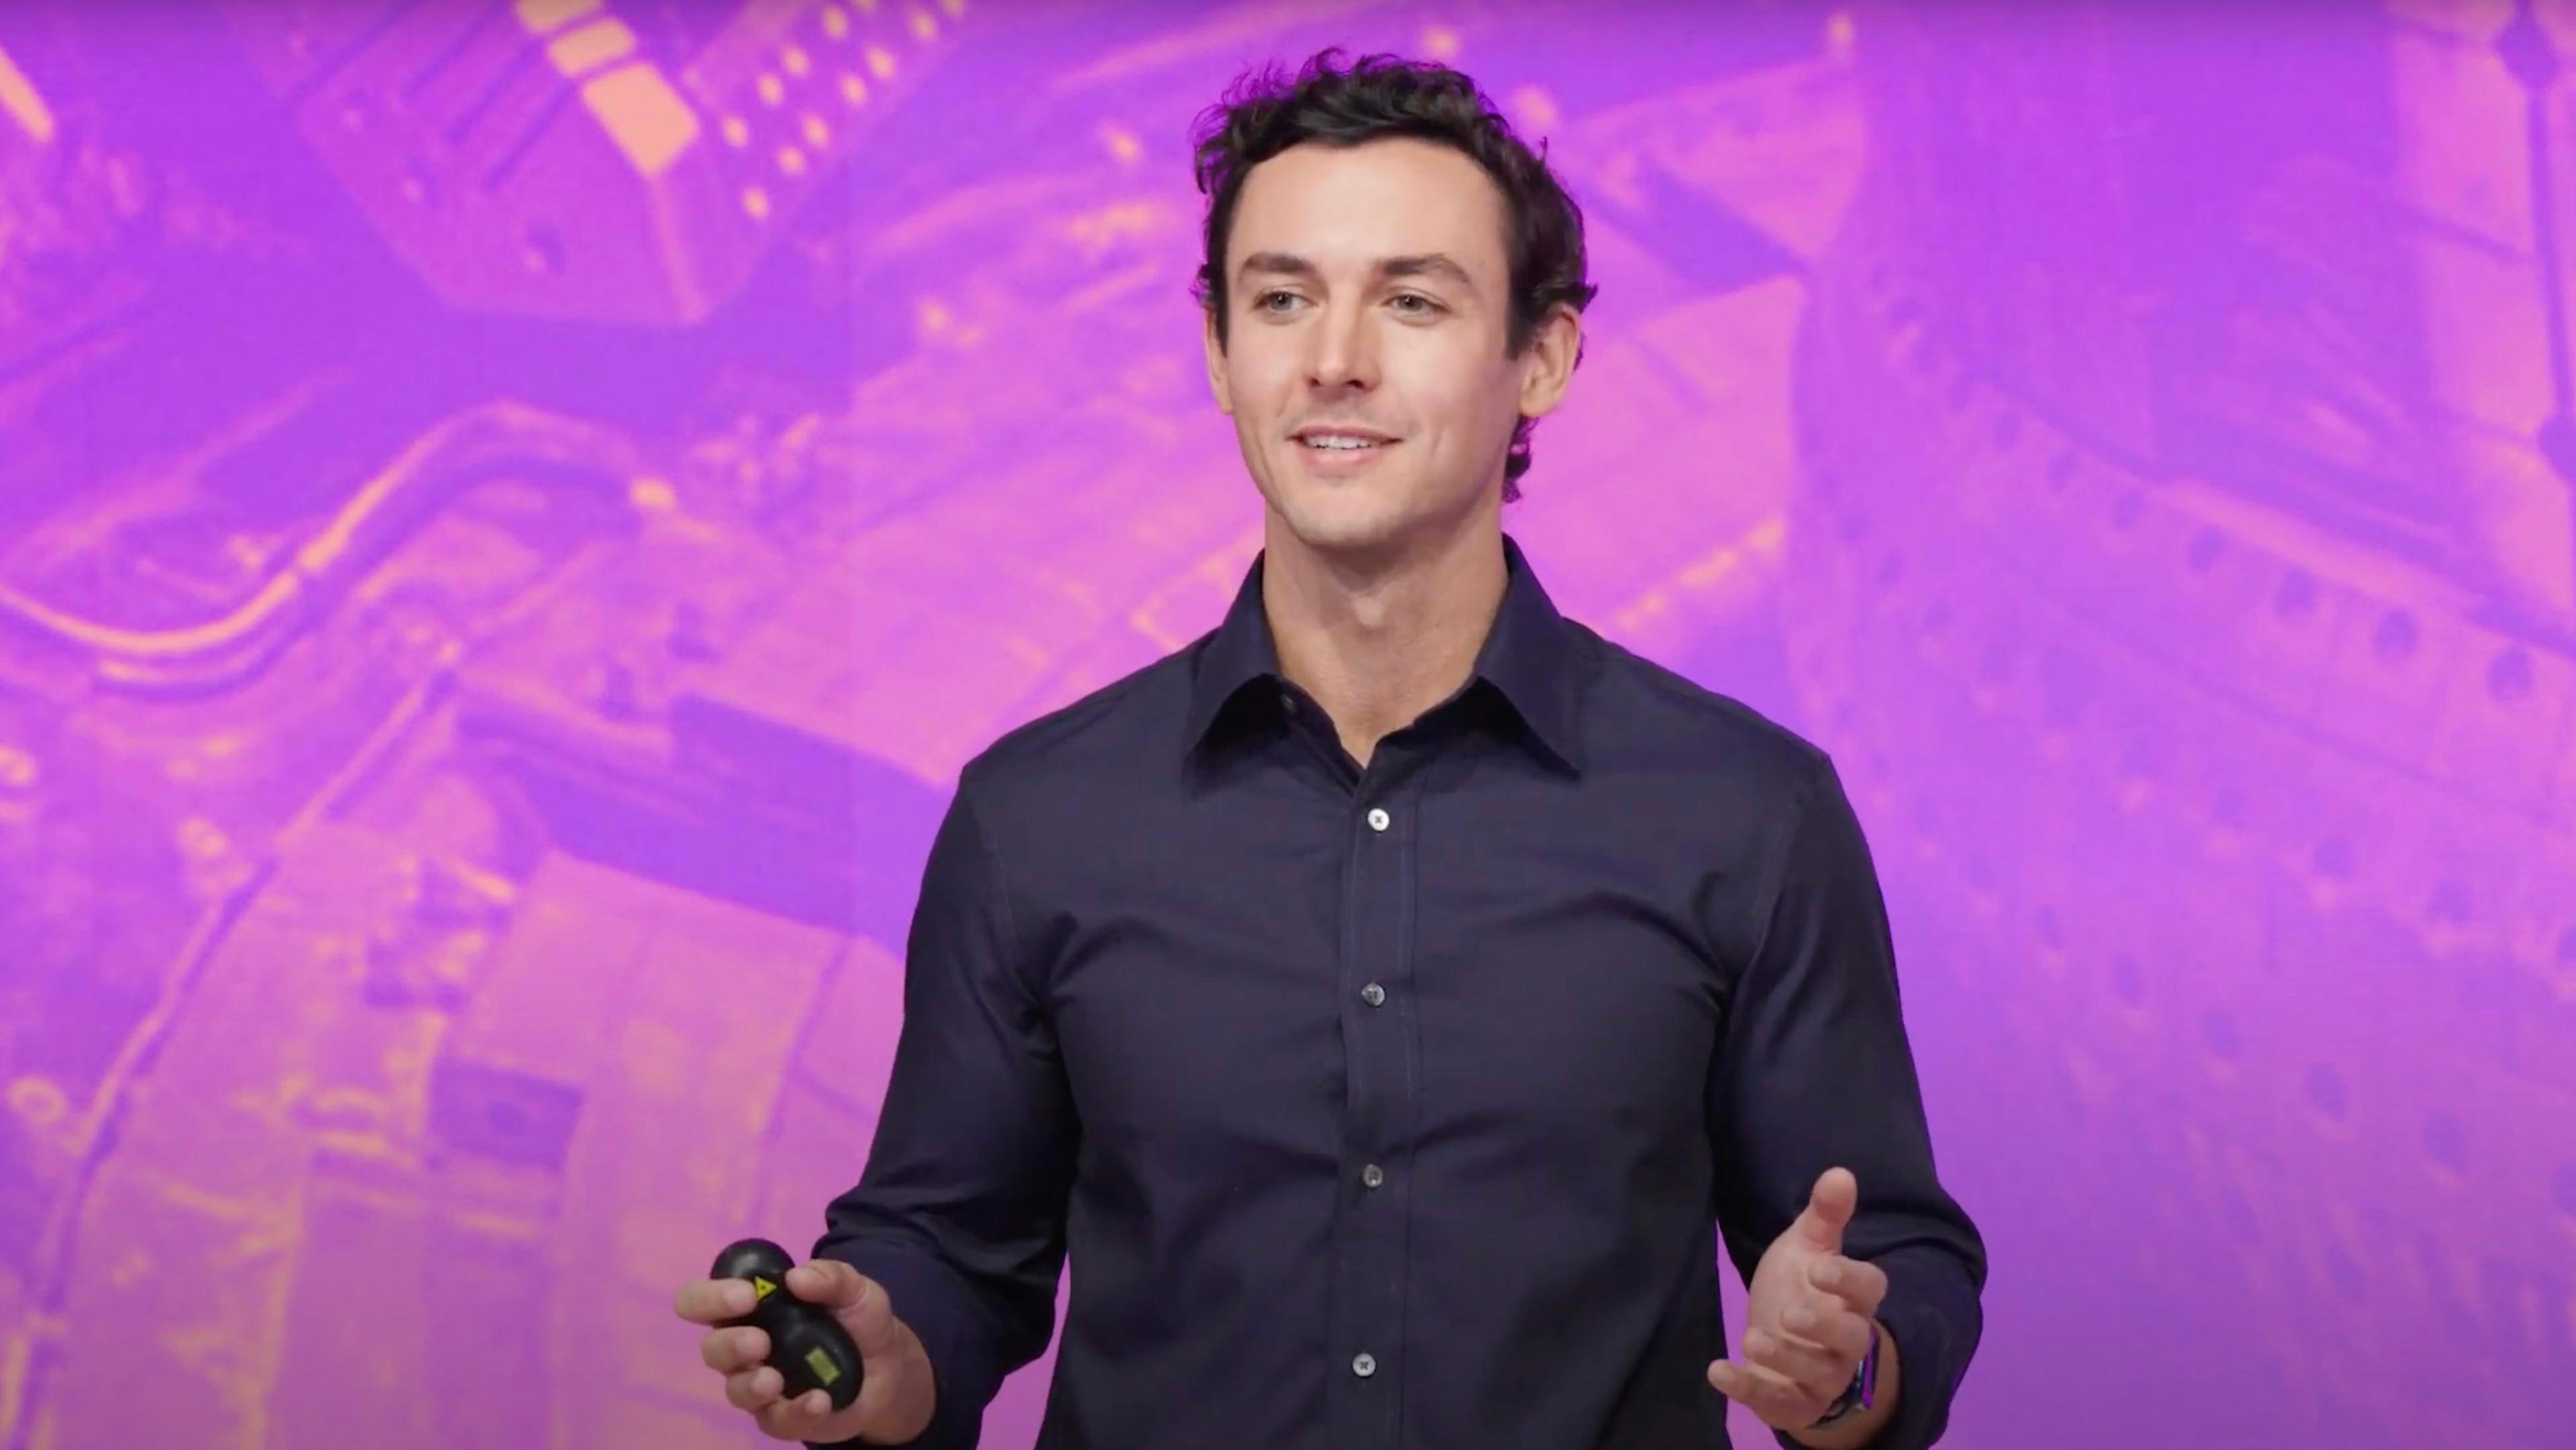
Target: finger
{"x":858,"y":1301}
{"x":733,"y":1349}
{"x":754,"y":1389}
{"x":1815,"y":1370}
{"x":712,"y":1301}
{"x":1858,"y":1283}
{"x":1829,"y":1208}
{"x":1829,"y":1326}
{"x":1773,"y":1398}
{"x":828,"y":1282}
{"x":795,"y":1419}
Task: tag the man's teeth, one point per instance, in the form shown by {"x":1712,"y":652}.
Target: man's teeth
{"x":1341,"y":443}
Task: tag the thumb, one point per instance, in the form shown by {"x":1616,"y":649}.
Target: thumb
{"x":859,"y":1302}
{"x":1829,"y":1209}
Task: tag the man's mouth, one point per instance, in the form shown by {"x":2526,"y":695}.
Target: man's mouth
{"x":1338,"y":439}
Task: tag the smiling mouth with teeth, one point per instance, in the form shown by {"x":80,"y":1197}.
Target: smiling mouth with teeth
{"x":1340,"y":445}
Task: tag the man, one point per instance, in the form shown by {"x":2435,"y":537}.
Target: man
{"x":1383,"y":998}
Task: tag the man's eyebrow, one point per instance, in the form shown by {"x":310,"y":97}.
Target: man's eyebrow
{"x":1288,"y":264}
{"x":1432,"y":264}
{"x":1285,"y":263}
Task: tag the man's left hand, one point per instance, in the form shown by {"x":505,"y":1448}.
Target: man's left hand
{"x":1807,"y":1317}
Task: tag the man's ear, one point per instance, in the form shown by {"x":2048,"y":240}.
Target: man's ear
{"x":1549,"y":363}
{"x":1215,"y":362}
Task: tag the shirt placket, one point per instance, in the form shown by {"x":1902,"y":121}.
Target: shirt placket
{"x":1382,"y":1083}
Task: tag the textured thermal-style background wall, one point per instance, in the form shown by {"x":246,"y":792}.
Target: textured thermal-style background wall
{"x":512,"y":515}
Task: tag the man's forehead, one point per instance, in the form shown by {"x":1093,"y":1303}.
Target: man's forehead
{"x":1406,"y":205}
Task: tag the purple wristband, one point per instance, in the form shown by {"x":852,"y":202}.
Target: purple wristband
{"x":1869,"y":1369}
{"x":1863,"y":1391}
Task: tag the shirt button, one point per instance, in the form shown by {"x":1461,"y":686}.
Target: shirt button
{"x":1373,"y":994}
{"x":1378,"y":819}
{"x":1364,"y":1365}
{"x":1372,"y":1175}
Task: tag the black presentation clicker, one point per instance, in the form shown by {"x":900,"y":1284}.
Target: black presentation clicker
{"x":807,"y":1346}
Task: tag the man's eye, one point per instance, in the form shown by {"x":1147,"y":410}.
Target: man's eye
{"x":1265,"y":299}
{"x":1425,"y":308}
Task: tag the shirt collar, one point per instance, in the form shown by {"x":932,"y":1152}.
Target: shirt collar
{"x":1526,"y":658}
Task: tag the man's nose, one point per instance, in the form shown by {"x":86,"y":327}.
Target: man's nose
{"x":1345,"y":353}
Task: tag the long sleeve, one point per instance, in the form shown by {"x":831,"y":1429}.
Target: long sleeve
{"x":1814,"y":1070}
{"x":960,"y":1210}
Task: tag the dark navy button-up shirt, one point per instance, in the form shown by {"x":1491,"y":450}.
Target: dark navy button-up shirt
{"x":1404,"y":1106}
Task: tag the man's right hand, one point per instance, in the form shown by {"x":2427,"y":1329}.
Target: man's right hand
{"x":896,"y":1393}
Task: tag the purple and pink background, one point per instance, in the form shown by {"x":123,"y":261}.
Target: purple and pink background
{"x":512,"y":515}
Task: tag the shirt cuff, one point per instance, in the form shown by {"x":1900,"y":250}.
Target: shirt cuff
{"x":939,"y":1308}
{"x":1932,"y":1312}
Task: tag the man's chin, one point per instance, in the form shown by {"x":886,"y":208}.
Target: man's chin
{"x":1333,"y":528}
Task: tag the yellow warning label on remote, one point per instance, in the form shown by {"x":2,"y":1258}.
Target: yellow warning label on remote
{"x":761,"y":1288}
{"x":821,"y":1363}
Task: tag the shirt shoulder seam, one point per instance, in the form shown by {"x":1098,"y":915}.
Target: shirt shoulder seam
{"x":1784,"y":845}
{"x":1001,"y":909}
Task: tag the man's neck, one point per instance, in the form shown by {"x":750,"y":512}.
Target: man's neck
{"x":1378,"y":644}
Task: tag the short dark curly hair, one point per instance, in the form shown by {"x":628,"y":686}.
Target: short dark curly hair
{"x":1377,"y":96}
